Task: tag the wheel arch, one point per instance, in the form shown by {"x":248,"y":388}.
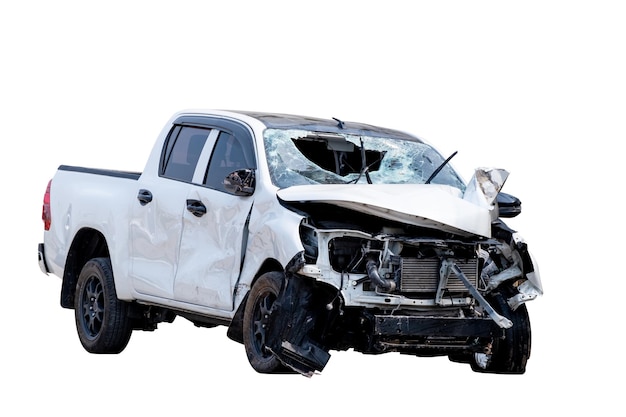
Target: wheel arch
{"x":88,"y":243}
{"x":235,"y":329}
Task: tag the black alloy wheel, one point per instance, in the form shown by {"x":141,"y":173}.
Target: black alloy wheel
{"x":256,"y":323}
{"x":101,"y":318}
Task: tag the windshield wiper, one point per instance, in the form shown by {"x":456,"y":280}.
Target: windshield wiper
{"x":364,"y":166}
{"x":439,"y":168}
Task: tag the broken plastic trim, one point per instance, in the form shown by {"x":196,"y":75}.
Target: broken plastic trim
{"x":292,"y":320}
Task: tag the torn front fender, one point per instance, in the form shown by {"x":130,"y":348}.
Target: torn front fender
{"x":532,"y":287}
{"x":520,"y":265}
{"x":292,"y":323}
{"x":531,"y":268}
{"x":484,"y":187}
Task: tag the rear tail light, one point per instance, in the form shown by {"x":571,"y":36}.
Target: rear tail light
{"x":46,"y":216}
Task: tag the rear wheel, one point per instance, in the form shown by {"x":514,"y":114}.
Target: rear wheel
{"x":102,"y":319}
{"x":256,"y":323}
{"x":508,"y":355}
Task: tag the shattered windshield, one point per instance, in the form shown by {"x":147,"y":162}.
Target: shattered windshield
{"x":300,"y":157}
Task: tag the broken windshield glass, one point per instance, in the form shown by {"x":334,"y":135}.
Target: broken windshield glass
{"x":300,"y":157}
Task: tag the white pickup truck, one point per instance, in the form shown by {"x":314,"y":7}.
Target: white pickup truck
{"x":302,"y":235}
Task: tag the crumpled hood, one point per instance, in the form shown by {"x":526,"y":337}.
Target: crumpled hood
{"x":427,"y":205}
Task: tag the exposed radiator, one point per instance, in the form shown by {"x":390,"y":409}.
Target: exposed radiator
{"x":422,"y":275}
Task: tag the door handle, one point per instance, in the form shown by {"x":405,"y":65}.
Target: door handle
{"x":144,"y":197}
{"x":196,"y":208}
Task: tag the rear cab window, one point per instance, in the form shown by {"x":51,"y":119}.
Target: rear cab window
{"x":182,"y":152}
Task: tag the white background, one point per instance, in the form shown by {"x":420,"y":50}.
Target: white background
{"x":536,"y":87}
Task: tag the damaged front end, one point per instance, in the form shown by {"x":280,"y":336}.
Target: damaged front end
{"x":398,"y":293}
{"x":399,"y":264}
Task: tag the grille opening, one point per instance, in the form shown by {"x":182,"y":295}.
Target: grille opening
{"x":422,"y":275}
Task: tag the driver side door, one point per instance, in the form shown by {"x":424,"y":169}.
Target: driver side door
{"x":215,"y":225}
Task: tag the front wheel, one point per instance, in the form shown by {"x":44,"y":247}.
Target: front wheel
{"x":101,"y":318}
{"x":510,"y":354}
{"x":262,"y":296}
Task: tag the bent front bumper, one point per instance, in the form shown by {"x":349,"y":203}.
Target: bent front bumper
{"x":410,"y":326}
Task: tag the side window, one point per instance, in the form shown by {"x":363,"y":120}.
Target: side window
{"x":230,"y":154}
{"x":182,"y":151}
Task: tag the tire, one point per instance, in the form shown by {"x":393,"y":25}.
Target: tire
{"x":102,"y":319}
{"x":509,"y":355}
{"x":262,"y":296}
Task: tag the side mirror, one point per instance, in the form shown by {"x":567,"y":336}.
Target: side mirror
{"x":240,"y":182}
{"x":508,"y":205}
